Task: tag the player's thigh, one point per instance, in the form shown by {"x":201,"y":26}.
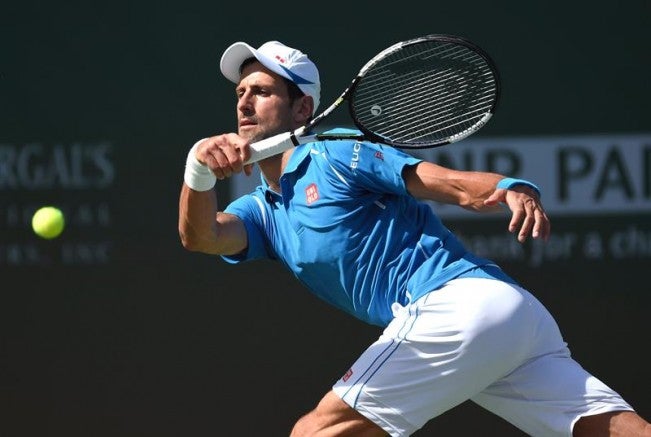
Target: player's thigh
{"x":549,"y":394}
{"x":332,"y":416}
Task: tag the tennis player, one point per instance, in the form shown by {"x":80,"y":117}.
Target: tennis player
{"x":345,"y":218}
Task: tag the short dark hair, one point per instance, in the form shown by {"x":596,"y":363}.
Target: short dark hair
{"x":293,"y":90}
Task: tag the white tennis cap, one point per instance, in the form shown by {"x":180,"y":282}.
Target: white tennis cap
{"x":277,"y":57}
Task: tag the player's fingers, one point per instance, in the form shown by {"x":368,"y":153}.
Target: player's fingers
{"x":245,"y":153}
{"x":238,"y":152}
{"x":542,"y":226}
{"x":535,"y":222}
{"x":218,"y":163}
{"x":517,"y":217}
{"x":248,"y":169}
{"x":233,"y":159}
{"x":528,"y":221}
{"x":222,"y":154}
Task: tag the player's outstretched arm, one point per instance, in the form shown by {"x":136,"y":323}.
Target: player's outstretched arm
{"x":477,"y":191}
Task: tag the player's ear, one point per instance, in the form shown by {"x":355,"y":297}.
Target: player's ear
{"x":303,"y":108}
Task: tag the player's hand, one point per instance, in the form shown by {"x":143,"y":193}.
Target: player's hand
{"x":528,"y":217}
{"x":225,"y":155}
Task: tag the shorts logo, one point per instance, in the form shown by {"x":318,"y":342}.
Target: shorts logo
{"x":311,"y":194}
{"x":347,"y":375}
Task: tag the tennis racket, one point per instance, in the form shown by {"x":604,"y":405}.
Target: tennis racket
{"x":420,"y":93}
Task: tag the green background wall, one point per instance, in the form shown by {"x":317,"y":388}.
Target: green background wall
{"x":115,"y":330}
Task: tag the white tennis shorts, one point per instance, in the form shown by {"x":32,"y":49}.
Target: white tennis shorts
{"x":478,"y":339}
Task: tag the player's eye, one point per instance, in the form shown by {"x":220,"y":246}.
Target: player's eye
{"x":262,"y":92}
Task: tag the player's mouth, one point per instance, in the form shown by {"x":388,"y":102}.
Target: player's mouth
{"x":246,"y":122}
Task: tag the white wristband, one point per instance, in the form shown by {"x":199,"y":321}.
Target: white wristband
{"x":197,"y":175}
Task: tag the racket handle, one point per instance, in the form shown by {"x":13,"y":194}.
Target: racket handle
{"x":271,"y":146}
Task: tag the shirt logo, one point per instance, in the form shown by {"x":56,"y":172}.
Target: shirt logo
{"x":354,"y":160}
{"x":311,"y":194}
{"x":379,"y":155}
{"x":347,"y":375}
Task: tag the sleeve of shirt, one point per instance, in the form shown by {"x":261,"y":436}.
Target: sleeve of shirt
{"x":250,"y":210}
{"x":376,"y":167}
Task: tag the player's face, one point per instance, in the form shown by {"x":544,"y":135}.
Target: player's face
{"x":263,"y":105}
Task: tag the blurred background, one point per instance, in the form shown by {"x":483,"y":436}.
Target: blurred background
{"x":114,"y":330}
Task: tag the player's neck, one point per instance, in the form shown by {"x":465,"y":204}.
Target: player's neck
{"x":272,"y":168}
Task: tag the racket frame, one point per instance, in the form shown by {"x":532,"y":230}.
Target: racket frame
{"x":284,"y":141}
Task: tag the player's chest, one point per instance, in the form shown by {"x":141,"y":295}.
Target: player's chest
{"x":320,"y":204}
{"x":314,"y":204}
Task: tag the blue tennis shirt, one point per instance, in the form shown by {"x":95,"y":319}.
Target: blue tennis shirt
{"x":347,"y":228}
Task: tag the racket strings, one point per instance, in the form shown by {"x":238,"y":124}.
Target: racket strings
{"x":413,"y":98}
{"x":438,"y":116}
{"x":416,"y":86}
{"x":425,"y":93}
{"x":437,"y":111}
{"x":427,"y":119}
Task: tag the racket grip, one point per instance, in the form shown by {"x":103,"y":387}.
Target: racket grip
{"x":271,"y":146}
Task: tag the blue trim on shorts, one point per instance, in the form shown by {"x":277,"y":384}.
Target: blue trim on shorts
{"x":394,"y":345}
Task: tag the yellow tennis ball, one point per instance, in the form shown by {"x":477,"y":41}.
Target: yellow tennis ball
{"x":48,"y":222}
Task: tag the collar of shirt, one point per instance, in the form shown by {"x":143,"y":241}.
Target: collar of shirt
{"x":301,"y":152}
